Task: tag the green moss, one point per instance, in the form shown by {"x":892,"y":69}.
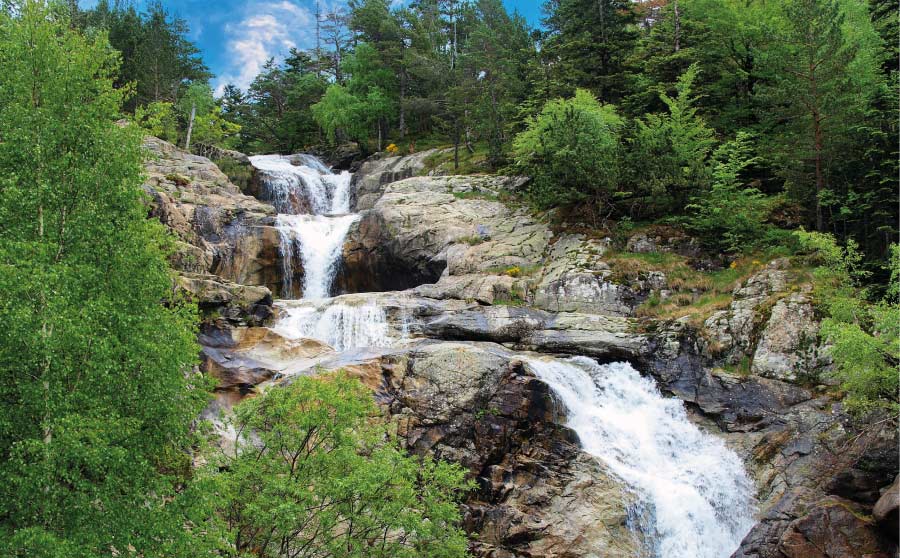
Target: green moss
{"x":178,"y":179}
{"x":475,"y":195}
{"x":240,"y":174}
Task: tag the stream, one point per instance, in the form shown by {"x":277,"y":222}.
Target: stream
{"x":695,"y":499}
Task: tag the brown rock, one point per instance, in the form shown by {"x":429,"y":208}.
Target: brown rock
{"x":833,"y":529}
{"x":885,"y":511}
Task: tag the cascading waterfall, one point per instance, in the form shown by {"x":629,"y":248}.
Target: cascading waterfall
{"x":290,"y":187}
{"x":695,"y":498}
{"x":342,"y":326}
{"x":313,"y":204}
{"x":696,"y":495}
{"x":318,"y":240}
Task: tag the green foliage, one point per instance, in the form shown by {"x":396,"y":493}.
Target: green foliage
{"x":571,"y":150}
{"x":158,"y":119}
{"x":821,"y":79}
{"x":314,"y":473}
{"x":669,"y":151}
{"x":275,"y":113}
{"x":587,"y":45}
{"x":863,"y":337}
{"x":97,"y":395}
{"x":156,"y":54}
{"x":337,"y":112}
{"x":730,"y":218}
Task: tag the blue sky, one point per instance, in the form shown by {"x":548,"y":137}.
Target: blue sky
{"x":238,"y":36}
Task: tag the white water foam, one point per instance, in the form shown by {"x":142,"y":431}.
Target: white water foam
{"x":319,"y":241}
{"x":341,"y":326}
{"x":287,"y":184}
{"x":316,"y":238}
{"x":694,"y":490}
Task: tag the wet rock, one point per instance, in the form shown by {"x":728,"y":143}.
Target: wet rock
{"x":345,"y":156}
{"x":832,"y":529}
{"x":239,"y":304}
{"x":538,"y":494}
{"x":220,"y":230}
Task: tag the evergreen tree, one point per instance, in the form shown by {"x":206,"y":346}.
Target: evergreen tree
{"x":588,"y":44}
{"x":670,"y":150}
{"x":817,"y":89}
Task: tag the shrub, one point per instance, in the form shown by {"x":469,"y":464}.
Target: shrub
{"x":316,"y":473}
{"x":864,"y":338}
{"x":571,"y":150}
{"x":730,"y":217}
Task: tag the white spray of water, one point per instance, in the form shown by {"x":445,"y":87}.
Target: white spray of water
{"x":317,"y":238}
{"x":695,"y":491}
{"x":341,"y":326}
{"x":287,"y":184}
{"x":319,"y":241}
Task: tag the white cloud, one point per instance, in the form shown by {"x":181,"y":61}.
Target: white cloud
{"x":268,"y":29}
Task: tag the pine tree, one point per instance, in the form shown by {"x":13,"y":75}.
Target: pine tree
{"x":588,"y":44}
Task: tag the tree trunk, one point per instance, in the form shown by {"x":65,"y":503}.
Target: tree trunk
{"x":187,"y":141}
{"x":456,"y":135}
{"x":402,"y":123}
{"x":820,"y":177}
{"x":677,"y":26}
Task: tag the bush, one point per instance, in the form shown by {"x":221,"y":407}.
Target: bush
{"x":315,"y":473}
{"x":864,"y":338}
{"x":571,"y":150}
{"x":730,"y":218}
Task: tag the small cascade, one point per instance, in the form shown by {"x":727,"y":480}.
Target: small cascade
{"x":697,"y":497}
{"x":302,"y":184}
{"x":340,"y":325}
{"x":313,"y":221}
{"x":318,"y":240}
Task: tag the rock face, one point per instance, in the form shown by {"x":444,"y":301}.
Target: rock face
{"x":473,"y":405}
{"x":787,"y":346}
{"x":424,"y":229}
{"x":775,"y":329}
{"x":221,"y":231}
{"x":575,"y":279}
{"x":373,"y":175}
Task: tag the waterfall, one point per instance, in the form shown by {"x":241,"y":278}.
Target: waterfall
{"x":319,"y":240}
{"x":307,"y":187}
{"x":312,"y":223}
{"x":342,"y":326}
{"x":697,"y":497}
